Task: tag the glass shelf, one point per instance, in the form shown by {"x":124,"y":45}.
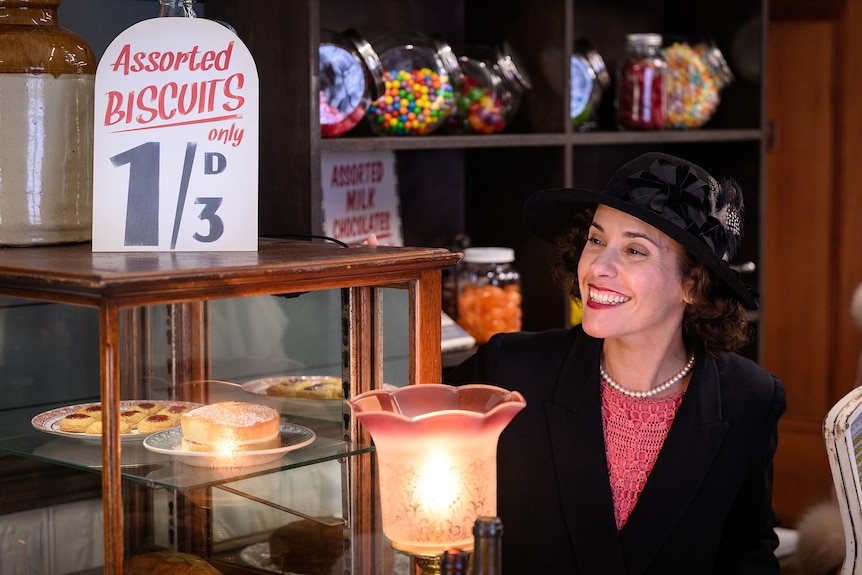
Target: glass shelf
{"x":19,"y":437}
{"x":153,"y":469}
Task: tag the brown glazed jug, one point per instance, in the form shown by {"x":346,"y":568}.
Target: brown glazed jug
{"x":47,"y":77}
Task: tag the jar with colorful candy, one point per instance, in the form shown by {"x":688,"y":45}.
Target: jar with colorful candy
{"x":493,"y":86}
{"x":350,"y":78}
{"x":420,"y":76}
{"x":696,"y":75}
{"x":589,"y":80}
{"x":641,"y":98}
{"x":489,"y":292}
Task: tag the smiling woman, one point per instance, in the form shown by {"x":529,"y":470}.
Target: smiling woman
{"x":647,"y":442}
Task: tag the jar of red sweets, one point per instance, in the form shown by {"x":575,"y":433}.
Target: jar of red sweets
{"x":489,"y":292}
{"x":494,"y":83}
{"x":641,"y":98}
{"x":351,"y":77}
{"x":421,"y":76}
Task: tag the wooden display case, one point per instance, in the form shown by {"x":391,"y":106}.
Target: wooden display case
{"x":119,"y":284}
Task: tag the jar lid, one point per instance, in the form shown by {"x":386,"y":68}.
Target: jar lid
{"x":510,"y":67}
{"x":372,"y":61}
{"x":351,"y":41}
{"x":713,"y":57}
{"x":644,"y":39}
{"x":597,"y":63}
{"x":450,"y":62}
{"x":489,"y":255}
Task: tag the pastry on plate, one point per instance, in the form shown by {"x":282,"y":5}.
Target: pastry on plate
{"x":174,"y":412}
{"x":95,"y":428}
{"x":95,"y":411}
{"x":168,"y":563}
{"x":131,"y":416}
{"x":154,"y":423}
{"x":147,"y":407}
{"x":307,"y":386}
{"x":76,"y":422}
{"x":320,"y":391}
{"x":307,"y":547}
{"x":230,"y":426}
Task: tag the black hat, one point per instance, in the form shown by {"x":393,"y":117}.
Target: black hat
{"x":679,"y":198}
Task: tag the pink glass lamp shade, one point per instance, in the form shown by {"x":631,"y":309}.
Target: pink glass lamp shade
{"x":436,"y":448}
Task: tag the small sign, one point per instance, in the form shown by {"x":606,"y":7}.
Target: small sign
{"x":176,"y":140}
{"x":360,"y":196}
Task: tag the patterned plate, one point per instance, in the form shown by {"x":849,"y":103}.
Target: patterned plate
{"x":49,"y":421}
{"x":170,"y":441}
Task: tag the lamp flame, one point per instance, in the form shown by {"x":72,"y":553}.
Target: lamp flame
{"x":437,"y":487}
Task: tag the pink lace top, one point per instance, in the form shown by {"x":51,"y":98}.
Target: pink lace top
{"x":635,"y":430}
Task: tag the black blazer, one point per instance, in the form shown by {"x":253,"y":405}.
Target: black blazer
{"x":706,"y":507}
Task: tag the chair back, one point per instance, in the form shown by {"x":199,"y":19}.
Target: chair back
{"x":842,"y":432}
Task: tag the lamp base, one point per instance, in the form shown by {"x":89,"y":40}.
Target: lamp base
{"x":428,"y":564}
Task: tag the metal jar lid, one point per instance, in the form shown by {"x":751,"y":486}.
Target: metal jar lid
{"x":645,"y":39}
{"x":511,"y":68}
{"x":352,"y":41}
{"x":450,"y":62}
{"x":596,"y":62}
{"x":489,"y":255}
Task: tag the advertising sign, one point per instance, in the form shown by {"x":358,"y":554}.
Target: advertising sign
{"x":176,"y":140}
{"x":360,"y":196}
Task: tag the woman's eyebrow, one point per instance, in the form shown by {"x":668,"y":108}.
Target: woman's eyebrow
{"x":630,"y":234}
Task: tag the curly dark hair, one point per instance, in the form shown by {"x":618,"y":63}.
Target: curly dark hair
{"x":714,"y":315}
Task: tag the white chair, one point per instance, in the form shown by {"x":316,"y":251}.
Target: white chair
{"x":842,"y":432}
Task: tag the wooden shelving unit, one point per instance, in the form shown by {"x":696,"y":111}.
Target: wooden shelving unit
{"x":476,"y":184}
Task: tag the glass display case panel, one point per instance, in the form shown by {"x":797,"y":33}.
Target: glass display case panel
{"x":251,"y":341}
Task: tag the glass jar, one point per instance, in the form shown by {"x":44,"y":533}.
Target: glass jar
{"x":589,"y":80}
{"x":184,"y":9}
{"x":449,"y":278}
{"x":47,"y":79}
{"x":350,"y":78}
{"x":696,"y":76}
{"x":489,"y":292}
{"x":641,"y":99}
{"x":177,"y":9}
{"x":420,"y":76}
{"x":454,"y":562}
{"x":491,"y":93}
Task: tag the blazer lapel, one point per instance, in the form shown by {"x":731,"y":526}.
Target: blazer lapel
{"x":575,"y":424}
{"x":688,"y":451}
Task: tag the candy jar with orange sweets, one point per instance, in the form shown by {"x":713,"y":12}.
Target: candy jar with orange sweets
{"x":489,"y":292}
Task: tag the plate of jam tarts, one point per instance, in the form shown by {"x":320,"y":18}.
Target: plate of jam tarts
{"x":313,"y":396}
{"x":319,"y":387}
{"x":138,"y":419}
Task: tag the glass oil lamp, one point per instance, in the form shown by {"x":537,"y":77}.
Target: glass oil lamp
{"x":436,"y":449}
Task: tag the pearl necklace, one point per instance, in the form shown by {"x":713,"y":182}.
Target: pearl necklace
{"x":650,"y":392}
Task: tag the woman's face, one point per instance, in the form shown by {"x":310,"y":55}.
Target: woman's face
{"x":629,"y":275}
